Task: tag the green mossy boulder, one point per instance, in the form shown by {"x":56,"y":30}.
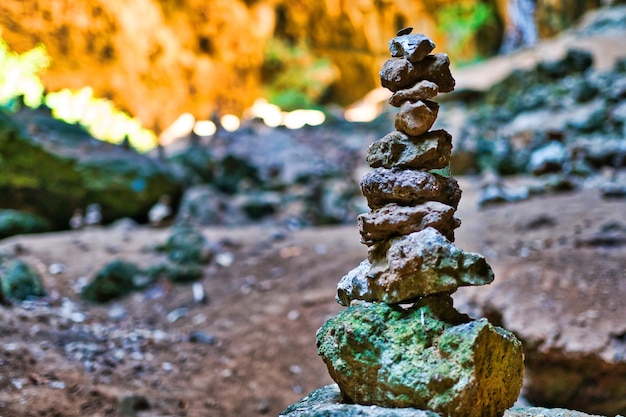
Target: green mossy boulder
{"x":429,"y":357}
{"x":49,"y":168}
{"x":19,"y":281}
{"x":186,"y":245}
{"x":13,"y":222}
{"x":114,"y":280}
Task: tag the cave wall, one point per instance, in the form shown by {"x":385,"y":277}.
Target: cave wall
{"x":159,"y":58}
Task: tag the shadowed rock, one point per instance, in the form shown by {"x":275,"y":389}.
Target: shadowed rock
{"x":435,"y":68}
{"x":413,"y":47}
{"x":423,"y":90}
{"x":416,"y":117}
{"x":383,"y":186}
{"x":396,"y":149}
{"x":393,"y":220}
{"x":411,"y":266}
{"x":399,"y":73}
{"x":427,"y":357}
{"x":327,"y":402}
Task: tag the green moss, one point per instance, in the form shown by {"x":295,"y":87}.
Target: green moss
{"x":114,"y":280}
{"x":13,"y":222}
{"x":19,"y":281}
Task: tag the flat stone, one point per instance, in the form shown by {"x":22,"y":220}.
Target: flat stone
{"x":413,"y":47}
{"x":397,"y":74}
{"x":416,"y":117}
{"x":422,"y":90}
{"x":429,"y":357}
{"x":393,"y":220}
{"x":407,"y":187}
{"x":396,"y":149}
{"x":327,"y":402}
{"x":407,"y":267}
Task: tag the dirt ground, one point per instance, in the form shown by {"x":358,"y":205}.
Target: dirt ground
{"x":249,"y":349}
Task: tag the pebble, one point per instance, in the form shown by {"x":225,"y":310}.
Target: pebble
{"x":56,"y":268}
{"x":224,"y":259}
{"x":203,"y":338}
{"x":176,"y":314}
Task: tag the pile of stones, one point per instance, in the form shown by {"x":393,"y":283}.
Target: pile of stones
{"x":401,"y":343}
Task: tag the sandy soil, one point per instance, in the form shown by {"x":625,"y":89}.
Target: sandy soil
{"x":250,"y":348}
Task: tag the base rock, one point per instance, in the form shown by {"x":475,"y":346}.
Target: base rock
{"x":327,"y":402}
{"x":429,"y":356}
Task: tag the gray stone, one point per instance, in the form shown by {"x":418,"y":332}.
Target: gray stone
{"x":407,"y":267}
{"x":435,"y":68}
{"x":393,"y":220}
{"x":429,"y":151}
{"x":413,"y":47}
{"x":423,"y":90}
{"x":407,"y":187}
{"x":397,"y":74}
{"x":416,"y":117}
{"x":326,"y":402}
{"x":428,"y":356}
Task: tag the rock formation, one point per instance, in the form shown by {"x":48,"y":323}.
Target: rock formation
{"x":400,"y":343}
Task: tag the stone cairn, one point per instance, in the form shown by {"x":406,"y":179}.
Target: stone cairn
{"x":400,"y":343}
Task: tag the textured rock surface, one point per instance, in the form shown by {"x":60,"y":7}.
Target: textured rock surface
{"x":429,"y":357}
{"x":19,"y":281}
{"x":53,"y":173}
{"x":326,"y":402}
{"x":393,"y":220}
{"x":413,"y":47}
{"x":423,"y":90}
{"x":416,"y":117}
{"x":411,"y":266}
{"x":383,"y":186}
{"x":396,"y":149}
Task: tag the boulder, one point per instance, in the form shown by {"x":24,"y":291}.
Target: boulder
{"x":429,"y":151}
{"x":407,"y":187}
{"x":51,"y":168}
{"x":114,"y":280}
{"x":428,"y":356}
{"x":408,"y":267}
{"x":393,"y":220}
{"x":13,"y":222}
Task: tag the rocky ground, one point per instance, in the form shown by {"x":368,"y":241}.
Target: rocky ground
{"x":249,"y":348}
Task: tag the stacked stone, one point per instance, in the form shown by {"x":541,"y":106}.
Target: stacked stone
{"x":400,"y":342}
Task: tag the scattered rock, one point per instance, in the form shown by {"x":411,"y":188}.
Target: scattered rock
{"x":19,"y":281}
{"x":114,"y":280}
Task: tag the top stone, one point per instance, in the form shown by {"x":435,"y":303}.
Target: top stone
{"x":413,"y":47}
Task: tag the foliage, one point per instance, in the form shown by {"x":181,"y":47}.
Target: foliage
{"x":19,"y":76}
{"x":20,"y":83}
{"x":462,"y":21}
{"x":294,"y":77}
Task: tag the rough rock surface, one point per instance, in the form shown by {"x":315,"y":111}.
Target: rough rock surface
{"x":429,"y":357}
{"x":411,"y":266}
{"x":51,"y":168}
{"x":413,"y":46}
{"x":423,"y":90}
{"x":326,"y":402}
{"x":416,"y":117}
{"x":393,"y":220}
{"x":396,"y":149}
{"x":383,"y":186}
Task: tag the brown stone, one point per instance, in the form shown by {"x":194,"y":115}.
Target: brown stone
{"x":416,"y":117}
{"x":413,"y":47}
{"x":423,"y":90}
{"x":393,"y":220}
{"x":429,"y":151}
{"x":407,"y":187}
{"x":435,"y":68}
{"x":397,"y":74}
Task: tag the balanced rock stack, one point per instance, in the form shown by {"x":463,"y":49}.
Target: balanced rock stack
{"x":400,"y":343}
